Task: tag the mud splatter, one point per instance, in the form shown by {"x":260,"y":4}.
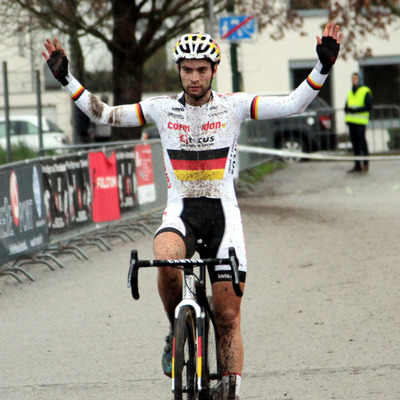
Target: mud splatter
{"x":96,"y":107}
{"x":116,"y":116}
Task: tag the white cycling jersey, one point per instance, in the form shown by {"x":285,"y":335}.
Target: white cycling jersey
{"x":200,"y":156}
{"x":199,"y":142}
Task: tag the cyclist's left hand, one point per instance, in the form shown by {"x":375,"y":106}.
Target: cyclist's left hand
{"x":328,"y":46}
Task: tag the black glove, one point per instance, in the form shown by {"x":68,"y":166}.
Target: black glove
{"x":58,"y":63}
{"x":327,"y":52}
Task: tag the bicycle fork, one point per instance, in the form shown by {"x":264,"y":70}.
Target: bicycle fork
{"x":189,"y":299}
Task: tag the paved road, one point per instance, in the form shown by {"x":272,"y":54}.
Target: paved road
{"x":320,"y":314}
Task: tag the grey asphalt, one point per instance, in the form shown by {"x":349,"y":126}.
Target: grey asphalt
{"x":320,"y":313}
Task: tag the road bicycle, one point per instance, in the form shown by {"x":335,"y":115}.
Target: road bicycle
{"x":196,"y":372}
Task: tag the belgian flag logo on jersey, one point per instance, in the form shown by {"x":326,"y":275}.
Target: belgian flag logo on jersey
{"x":199,"y":165}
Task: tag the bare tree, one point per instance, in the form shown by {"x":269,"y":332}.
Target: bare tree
{"x":360,"y":19}
{"x":132,"y":30}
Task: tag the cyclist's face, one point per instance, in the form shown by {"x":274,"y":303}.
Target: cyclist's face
{"x":196,"y":77}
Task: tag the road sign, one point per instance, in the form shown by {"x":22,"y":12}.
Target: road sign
{"x":237,"y":27}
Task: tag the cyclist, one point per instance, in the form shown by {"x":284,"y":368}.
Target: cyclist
{"x":199,"y":130}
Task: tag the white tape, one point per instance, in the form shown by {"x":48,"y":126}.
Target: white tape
{"x":313,"y":156}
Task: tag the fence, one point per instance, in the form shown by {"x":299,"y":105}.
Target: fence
{"x":383,"y":130}
{"x":324,"y":130}
{"x":53,"y":204}
{"x":52,"y":201}
{"x":56,"y":204}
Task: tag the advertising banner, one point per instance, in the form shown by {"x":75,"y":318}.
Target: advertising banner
{"x":23,"y":227}
{"x":104,"y":181}
{"x":79,"y":193}
{"x":144,"y":174}
{"x":67,"y":192}
{"x":55,"y":182}
{"x":127,"y":184}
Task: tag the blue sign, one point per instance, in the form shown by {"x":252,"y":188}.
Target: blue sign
{"x":237,"y":27}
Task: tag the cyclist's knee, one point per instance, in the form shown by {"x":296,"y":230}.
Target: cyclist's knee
{"x":169,"y":246}
{"x":227,"y":318}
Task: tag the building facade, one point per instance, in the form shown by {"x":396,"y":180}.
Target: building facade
{"x":266,"y":67}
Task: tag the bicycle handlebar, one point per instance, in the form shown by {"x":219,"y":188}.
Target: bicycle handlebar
{"x":135,"y":264}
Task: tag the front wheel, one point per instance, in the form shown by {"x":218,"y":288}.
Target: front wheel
{"x":211,"y":369}
{"x":184,"y":356}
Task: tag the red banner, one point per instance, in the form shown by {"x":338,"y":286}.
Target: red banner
{"x":103,"y":176}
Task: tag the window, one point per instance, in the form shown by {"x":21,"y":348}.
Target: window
{"x":30,"y":128}
{"x":384,"y":81}
{"x":52,"y":126}
{"x":3,"y":128}
{"x":299,"y":70}
{"x":309,"y":4}
{"x":23,"y":128}
{"x":382,"y":76}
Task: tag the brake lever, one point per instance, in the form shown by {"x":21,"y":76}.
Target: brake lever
{"x":234,"y":262}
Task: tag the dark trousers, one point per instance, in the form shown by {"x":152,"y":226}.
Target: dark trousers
{"x":359,"y":143}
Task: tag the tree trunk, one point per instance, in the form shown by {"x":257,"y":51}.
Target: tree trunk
{"x":127,"y":62}
{"x":127,"y":89}
{"x":80,"y":122}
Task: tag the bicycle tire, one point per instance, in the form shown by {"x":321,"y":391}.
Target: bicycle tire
{"x":211,"y":369}
{"x":184,"y":362}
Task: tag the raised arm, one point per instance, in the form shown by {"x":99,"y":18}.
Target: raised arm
{"x":297,"y":101}
{"x":93,"y":107}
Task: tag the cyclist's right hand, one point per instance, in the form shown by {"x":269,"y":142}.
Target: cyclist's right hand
{"x":57,"y":60}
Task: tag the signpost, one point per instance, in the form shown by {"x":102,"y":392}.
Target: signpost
{"x":237,"y":27}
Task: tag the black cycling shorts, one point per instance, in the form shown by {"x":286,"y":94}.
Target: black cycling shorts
{"x":208,"y":226}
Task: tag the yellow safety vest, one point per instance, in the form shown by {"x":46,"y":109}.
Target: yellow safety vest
{"x":357,"y":99}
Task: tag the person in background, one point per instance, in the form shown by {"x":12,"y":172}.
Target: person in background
{"x":358,"y":108}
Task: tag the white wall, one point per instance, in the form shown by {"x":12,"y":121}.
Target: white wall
{"x":264,"y":64}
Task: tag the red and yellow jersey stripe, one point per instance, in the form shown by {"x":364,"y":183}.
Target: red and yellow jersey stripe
{"x":313,"y":84}
{"x":139,"y":114}
{"x":75,"y":96}
{"x":254,"y":108}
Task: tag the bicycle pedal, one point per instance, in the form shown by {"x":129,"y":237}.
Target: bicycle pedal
{"x":218,"y":391}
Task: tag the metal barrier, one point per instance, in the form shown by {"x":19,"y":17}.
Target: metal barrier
{"x":47,"y":207}
{"x":319,"y":130}
{"x":45,"y":201}
{"x":382,"y":133}
{"x":55,"y":199}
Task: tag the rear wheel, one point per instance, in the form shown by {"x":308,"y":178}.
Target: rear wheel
{"x":184,"y":361}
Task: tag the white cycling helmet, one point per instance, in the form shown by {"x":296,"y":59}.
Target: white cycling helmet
{"x":196,"y":46}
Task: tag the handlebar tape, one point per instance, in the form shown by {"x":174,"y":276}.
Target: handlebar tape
{"x":133,"y":275}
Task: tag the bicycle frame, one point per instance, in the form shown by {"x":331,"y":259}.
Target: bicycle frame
{"x":189,"y":294}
